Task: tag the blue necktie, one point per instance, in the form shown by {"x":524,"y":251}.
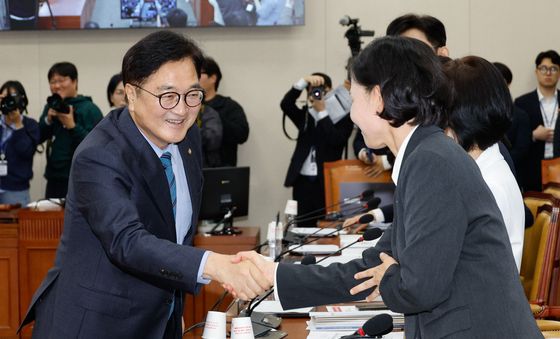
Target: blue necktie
{"x":166,"y":162}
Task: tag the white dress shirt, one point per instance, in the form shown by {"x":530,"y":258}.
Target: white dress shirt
{"x":502,"y":183}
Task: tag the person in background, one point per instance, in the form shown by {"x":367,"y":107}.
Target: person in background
{"x":115,"y":92}
{"x":211,"y":133}
{"x":19,"y":137}
{"x":542,"y":108}
{"x":518,"y":137}
{"x":177,"y":17}
{"x":234,"y":121}
{"x":479,"y":116}
{"x":322,"y":137}
{"x":66,"y":120}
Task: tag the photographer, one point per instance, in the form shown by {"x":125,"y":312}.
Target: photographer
{"x":19,"y":136}
{"x":66,"y":119}
{"x":324,"y":127}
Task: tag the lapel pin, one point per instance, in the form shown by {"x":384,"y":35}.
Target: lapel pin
{"x":189,"y":151}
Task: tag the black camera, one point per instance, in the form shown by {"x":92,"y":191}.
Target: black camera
{"x":56,"y":103}
{"x":317,"y":92}
{"x":10,"y":103}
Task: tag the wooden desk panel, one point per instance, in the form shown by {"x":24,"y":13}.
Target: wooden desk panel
{"x":9,"y":302}
{"x":39,"y":234}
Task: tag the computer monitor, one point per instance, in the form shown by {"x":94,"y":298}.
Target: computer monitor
{"x":226,"y":189}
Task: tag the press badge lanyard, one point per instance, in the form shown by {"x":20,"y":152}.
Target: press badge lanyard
{"x":548,"y":123}
{"x":3,"y":144}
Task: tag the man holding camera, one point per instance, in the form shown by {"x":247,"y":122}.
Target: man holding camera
{"x":324,"y":127}
{"x":66,"y":119}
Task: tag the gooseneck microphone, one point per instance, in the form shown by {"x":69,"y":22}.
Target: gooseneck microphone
{"x":375,"y":327}
{"x":368,"y":235}
{"x":364,"y":219}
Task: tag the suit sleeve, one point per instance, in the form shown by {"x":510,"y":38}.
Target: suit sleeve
{"x":336,"y":134}
{"x":304,"y":286}
{"x":103,"y":192}
{"x":434,"y":239}
{"x":289,"y":107}
{"x":520,"y":137}
{"x":358,"y":144}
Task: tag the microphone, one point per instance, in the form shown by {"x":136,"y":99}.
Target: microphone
{"x":369,"y":205}
{"x":347,"y":21}
{"x":368,"y":235}
{"x":375,"y":327}
{"x":362,"y":197}
{"x":364,"y":219}
{"x":308,"y":260}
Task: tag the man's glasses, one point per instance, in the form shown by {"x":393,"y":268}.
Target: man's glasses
{"x":169,"y":100}
{"x":544,"y":70}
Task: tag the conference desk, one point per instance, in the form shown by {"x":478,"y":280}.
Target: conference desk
{"x":28,"y":242}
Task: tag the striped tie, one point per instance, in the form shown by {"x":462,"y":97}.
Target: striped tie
{"x":166,"y":162}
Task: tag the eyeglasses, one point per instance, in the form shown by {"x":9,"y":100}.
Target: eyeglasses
{"x":544,"y":70}
{"x":169,"y":100}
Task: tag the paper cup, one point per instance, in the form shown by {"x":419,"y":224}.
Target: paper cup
{"x":215,"y":326}
{"x":241,"y":328}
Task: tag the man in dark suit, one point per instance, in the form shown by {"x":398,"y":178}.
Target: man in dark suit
{"x":542,"y":107}
{"x":125,"y":258}
{"x":322,"y":137}
{"x":446,"y":262}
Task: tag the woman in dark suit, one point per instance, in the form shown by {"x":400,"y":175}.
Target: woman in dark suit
{"x":446,"y":261}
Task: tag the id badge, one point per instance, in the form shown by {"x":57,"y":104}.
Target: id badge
{"x":313,"y":168}
{"x":3,"y":168}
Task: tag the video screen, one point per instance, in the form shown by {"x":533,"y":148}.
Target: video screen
{"x":114,"y":14}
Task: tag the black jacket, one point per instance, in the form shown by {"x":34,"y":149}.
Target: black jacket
{"x":533,"y":179}
{"x":328,"y":139}
{"x":235,"y":127}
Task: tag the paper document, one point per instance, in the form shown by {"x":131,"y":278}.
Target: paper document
{"x":315,"y":249}
{"x":321,"y":232}
{"x":273,"y":306}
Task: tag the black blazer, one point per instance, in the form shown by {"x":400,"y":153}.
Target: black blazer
{"x":118,"y":263}
{"x":532,"y":180}
{"x":456,"y":276}
{"x":328,"y":139}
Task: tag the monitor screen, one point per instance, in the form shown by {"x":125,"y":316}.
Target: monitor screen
{"x":225,"y":188}
{"x":92,"y":14}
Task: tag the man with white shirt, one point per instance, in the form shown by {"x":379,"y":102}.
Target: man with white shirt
{"x":322,"y":136}
{"x":542,"y":107}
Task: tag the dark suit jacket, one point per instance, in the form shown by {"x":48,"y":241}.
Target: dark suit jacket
{"x":328,"y":139}
{"x":118,"y":263}
{"x":532,"y":172}
{"x":456,"y":276}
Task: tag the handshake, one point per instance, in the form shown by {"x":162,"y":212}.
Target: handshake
{"x":245,"y":275}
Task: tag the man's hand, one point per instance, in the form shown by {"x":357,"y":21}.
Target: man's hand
{"x":314,"y":80}
{"x":244,"y":279}
{"x":67,"y":119}
{"x":267,"y":267}
{"x":543,"y":134}
{"x":376,"y":273}
{"x":318,"y":105}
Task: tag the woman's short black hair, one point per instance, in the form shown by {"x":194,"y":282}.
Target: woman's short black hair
{"x":113,"y":83}
{"x":481,"y":109}
{"x":147,"y":56}
{"x":65,"y":69}
{"x":19,"y":89}
{"x":411,"y":79}
{"x":505,"y":71}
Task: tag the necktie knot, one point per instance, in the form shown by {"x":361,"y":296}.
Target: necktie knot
{"x":166,"y":160}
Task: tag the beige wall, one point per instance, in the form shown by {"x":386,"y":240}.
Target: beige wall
{"x":260,"y":64}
